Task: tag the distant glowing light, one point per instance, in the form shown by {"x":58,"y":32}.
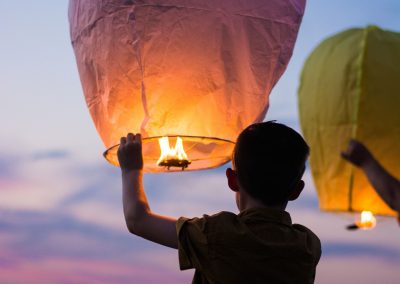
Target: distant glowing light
{"x":367,"y":220}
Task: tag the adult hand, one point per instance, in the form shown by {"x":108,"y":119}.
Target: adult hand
{"x":357,"y":153}
{"x":130,"y":152}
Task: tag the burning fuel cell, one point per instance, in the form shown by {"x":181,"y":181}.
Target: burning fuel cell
{"x":172,"y":157}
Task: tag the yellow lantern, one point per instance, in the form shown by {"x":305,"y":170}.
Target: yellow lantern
{"x":350,"y":89}
{"x":199,"y":71}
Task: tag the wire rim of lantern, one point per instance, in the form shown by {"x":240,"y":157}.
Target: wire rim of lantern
{"x":203,"y":153}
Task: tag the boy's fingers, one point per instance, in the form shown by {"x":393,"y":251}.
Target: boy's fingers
{"x":138,"y":138}
{"x":130,"y":138}
{"x":123,"y":141}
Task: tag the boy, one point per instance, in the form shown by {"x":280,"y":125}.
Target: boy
{"x":260,"y":244}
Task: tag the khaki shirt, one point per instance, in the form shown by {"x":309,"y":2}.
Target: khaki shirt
{"x":257,"y":246}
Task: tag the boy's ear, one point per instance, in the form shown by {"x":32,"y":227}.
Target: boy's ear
{"x":232,"y":179}
{"x":297,"y":190}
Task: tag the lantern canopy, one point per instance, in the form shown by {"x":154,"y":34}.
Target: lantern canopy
{"x":350,"y":89}
{"x":198,"y":70}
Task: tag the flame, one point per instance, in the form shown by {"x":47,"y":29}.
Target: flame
{"x":172,"y":156}
{"x":367,"y":221}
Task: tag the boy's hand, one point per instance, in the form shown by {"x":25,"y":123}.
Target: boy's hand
{"x":130,"y":152}
{"x":357,"y":153}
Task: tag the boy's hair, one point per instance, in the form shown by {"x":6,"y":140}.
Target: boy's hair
{"x":269,"y":159}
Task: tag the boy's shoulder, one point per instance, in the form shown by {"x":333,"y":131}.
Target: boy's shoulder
{"x":207,"y":223}
{"x":306,"y":230}
{"x":263,"y":218}
{"x":311,"y":239}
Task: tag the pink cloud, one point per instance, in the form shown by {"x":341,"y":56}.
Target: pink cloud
{"x":364,"y":270}
{"x":79,"y":270}
{"x":82,"y":239}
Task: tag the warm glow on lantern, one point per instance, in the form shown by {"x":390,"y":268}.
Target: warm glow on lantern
{"x":367,"y":221}
{"x":172,"y":157}
{"x":157,"y":83}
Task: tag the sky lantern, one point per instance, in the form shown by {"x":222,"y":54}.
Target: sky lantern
{"x":350,"y":89}
{"x":188,"y":75}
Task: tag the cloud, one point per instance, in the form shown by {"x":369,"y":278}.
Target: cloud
{"x":58,"y":248}
{"x":85,"y":189}
{"x":61,"y":249}
{"x":42,"y":181}
{"x":38,"y":235}
{"x":347,"y":249}
{"x":69,"y":211}
{"x":190,"y":193}
{"x":51,"y":154}
{"x":80,"y":270}
{"x":357,"y":269}
{"x":11,"y":164}
{"x":8,"y":165}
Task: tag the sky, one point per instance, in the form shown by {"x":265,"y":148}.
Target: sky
{"x":61,"y":216}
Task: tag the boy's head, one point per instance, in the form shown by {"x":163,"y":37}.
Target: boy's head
{"x":269,"y":160}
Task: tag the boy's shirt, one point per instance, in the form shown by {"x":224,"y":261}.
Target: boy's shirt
{"x":257,"y":246}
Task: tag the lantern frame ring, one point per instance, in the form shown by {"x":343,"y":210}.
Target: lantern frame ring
{"x":203,"y":152}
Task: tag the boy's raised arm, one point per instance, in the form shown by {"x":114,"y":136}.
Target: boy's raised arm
{"x":138,"y":216}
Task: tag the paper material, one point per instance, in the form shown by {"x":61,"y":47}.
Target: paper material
{"x":350,"y":89}
{"x":188,"y":68}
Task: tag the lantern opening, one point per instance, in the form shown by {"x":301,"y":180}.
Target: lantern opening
{"x":172,"y":157}
{"x":204,"y":153}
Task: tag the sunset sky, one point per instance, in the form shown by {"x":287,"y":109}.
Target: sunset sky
{"x":61,"y":216}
